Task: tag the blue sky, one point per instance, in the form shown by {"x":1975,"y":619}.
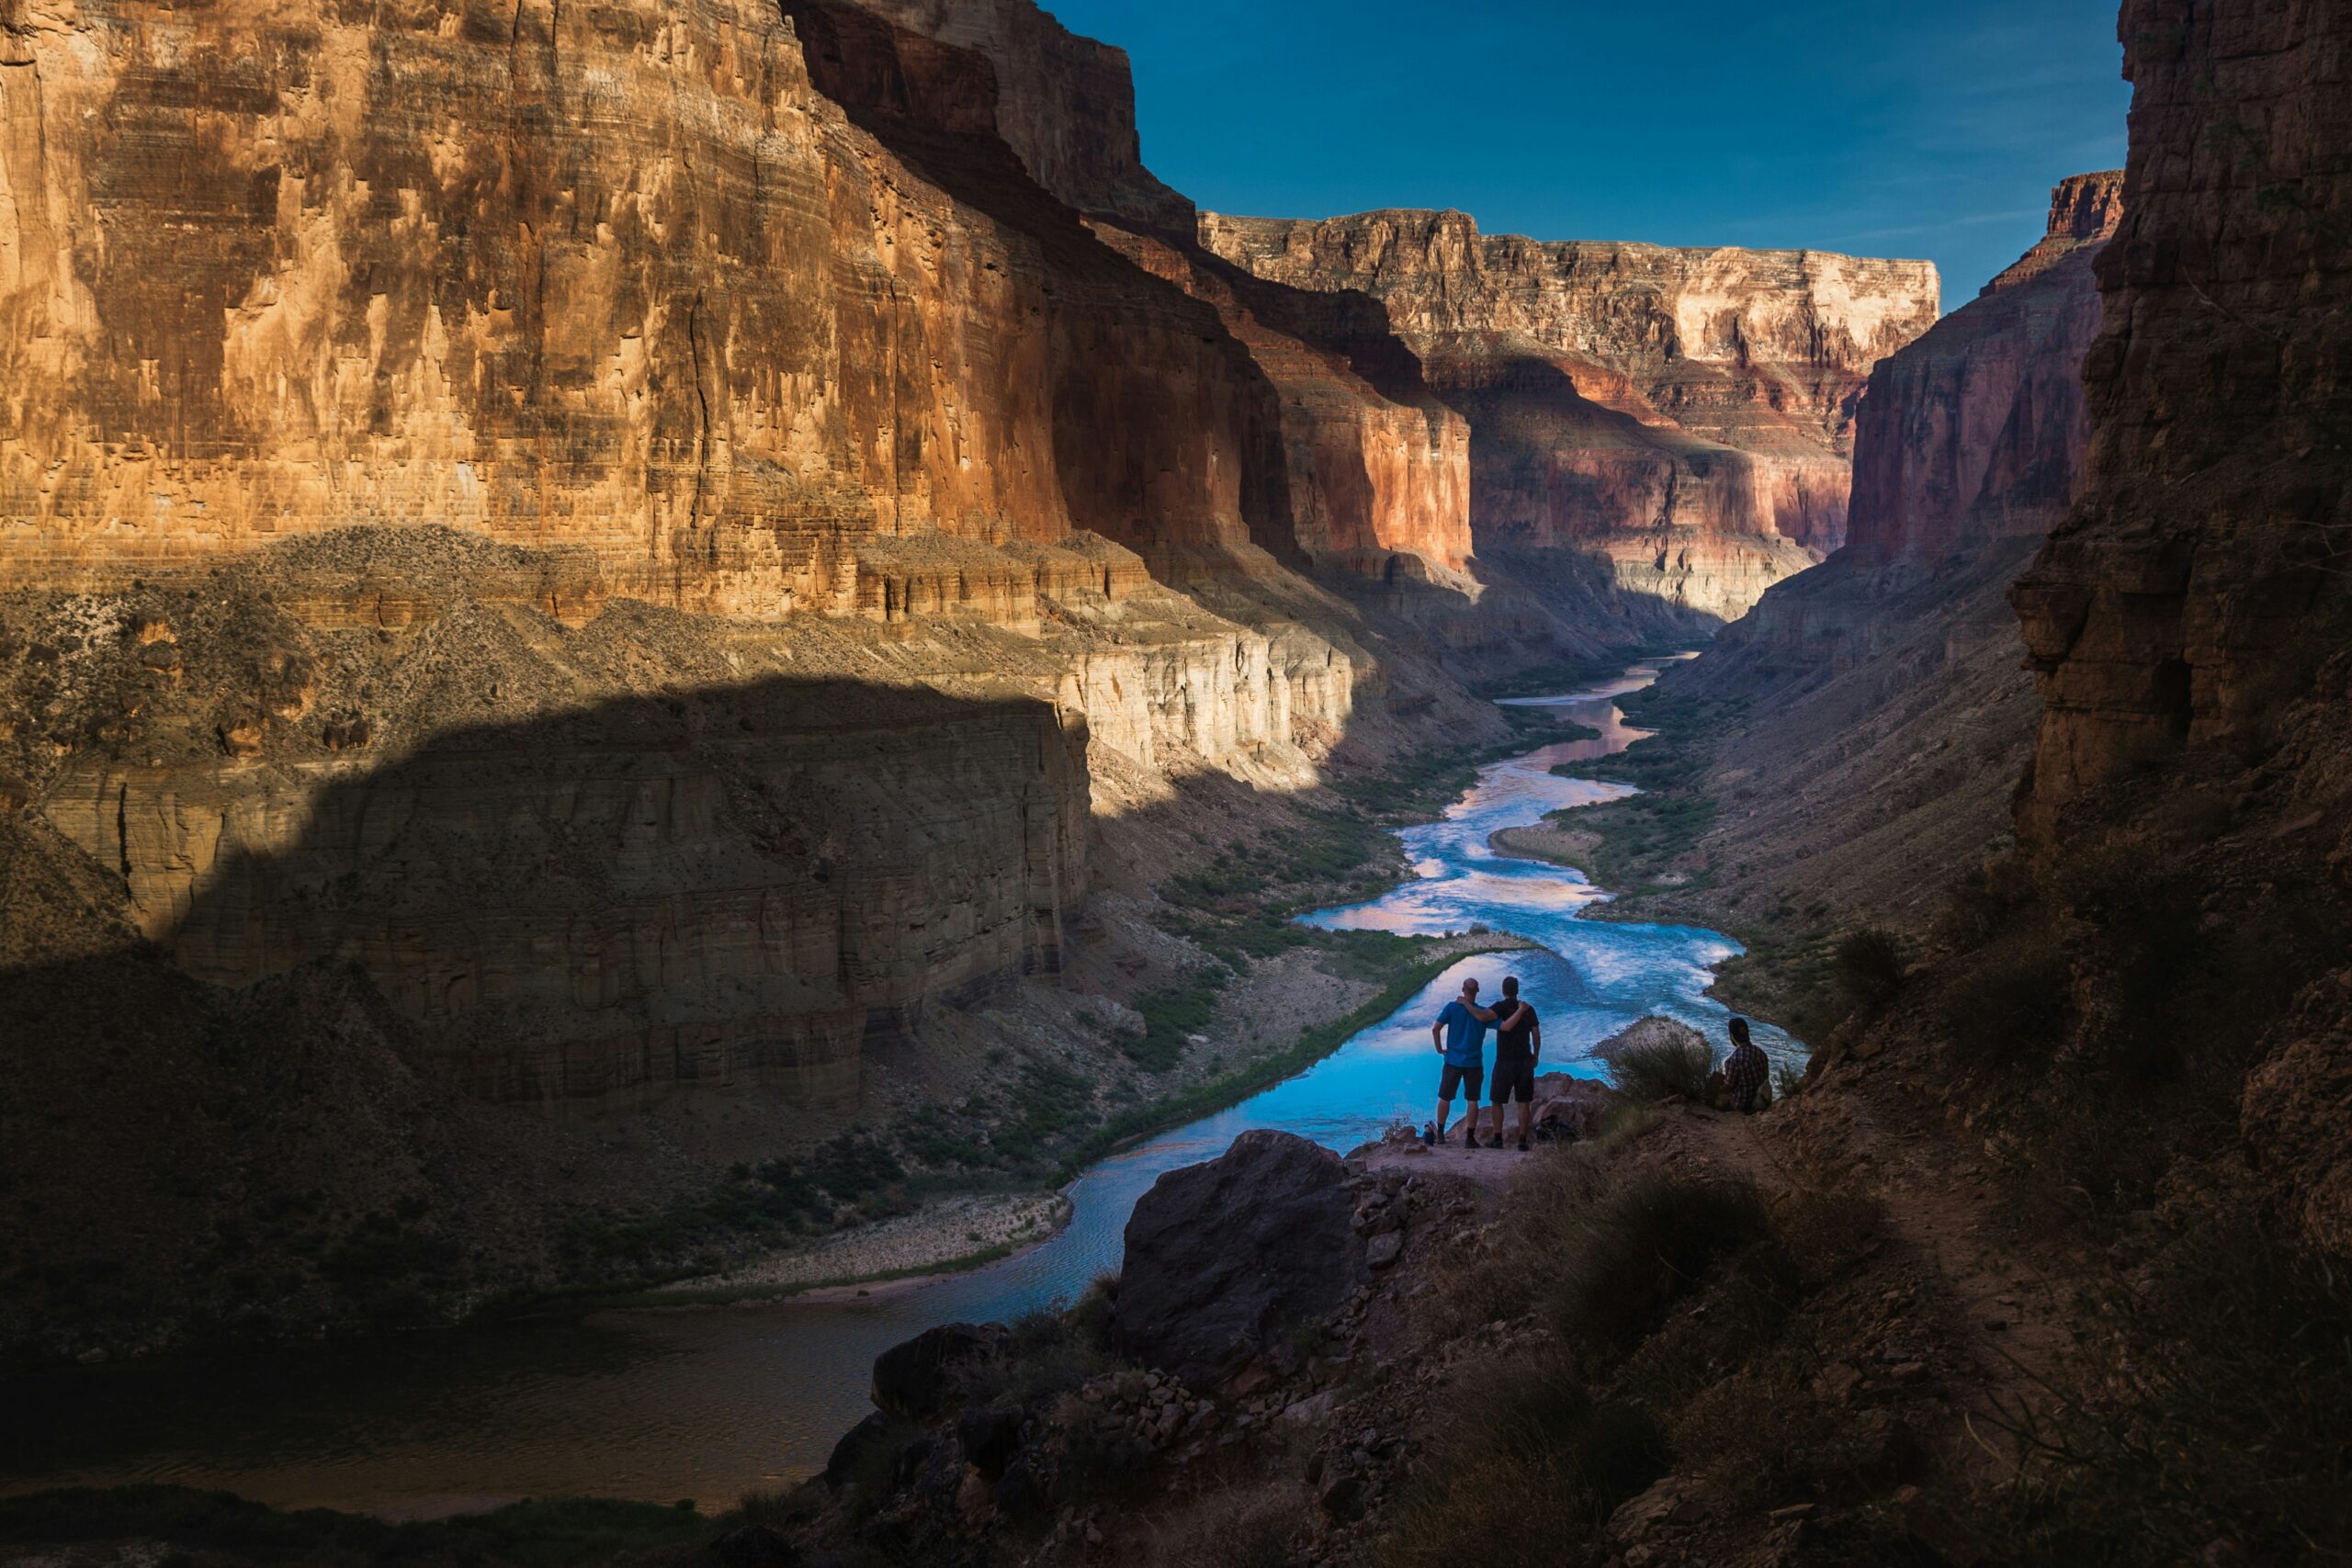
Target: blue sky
{"x":1907,"y":128}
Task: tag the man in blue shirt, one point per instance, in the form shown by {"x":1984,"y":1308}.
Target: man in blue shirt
{"x":1459,"y":1035}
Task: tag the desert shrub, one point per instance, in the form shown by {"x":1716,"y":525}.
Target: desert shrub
{"x":1787,"y":1080}
{"x":1662,"y":1069}
{"x":1868,"y":965}
{"x":1045,"y":1355}
{"x":1090,"y":1315}
{"x":1655,"y":1239}
{"x":1097,"y":1463}
{"x":1229,"y":1527}
{"x":1171,"y":1015}
{"x":1549,"y":1440}
{"x":1984,"y":901}
{"x":1760,"y":1439}
{"x":2010,"y":1004}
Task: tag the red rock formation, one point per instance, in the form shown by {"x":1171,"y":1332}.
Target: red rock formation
{"x":1375,"y":467}
{"x":575,"y":280}
{"x":1976,"y":431}
{"x":1064,"y":104}
{"x":2201,"y":580}
{"x":1685,"y":415}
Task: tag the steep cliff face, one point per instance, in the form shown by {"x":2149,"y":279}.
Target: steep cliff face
{"x":1684,"y":415}
{"x":573,"y":278}
{"x":2197,"y":587}
{"x":2189,"y":620}
{"x":1976,"y":431}
{"x":1064,"y":104}
{"x":1376,"y":468}
{"x":1893,"y":711}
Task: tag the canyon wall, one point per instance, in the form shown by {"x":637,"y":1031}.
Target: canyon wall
{"x":2198,"y":586}
{"x":1376,"y":468}
{"x":1893,"y":711}
{"x":566,"y":277}
{"x":1682,"y":415}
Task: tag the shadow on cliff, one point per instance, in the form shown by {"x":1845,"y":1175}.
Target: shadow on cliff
{"x":934,"y":106}
{"x":753,"y":884}
{"x":707,"y":884}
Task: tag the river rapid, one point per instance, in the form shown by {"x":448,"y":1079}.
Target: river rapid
{"x":709,"y":1403}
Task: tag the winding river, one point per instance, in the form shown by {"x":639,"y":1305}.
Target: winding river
{"x":707,"y":1403}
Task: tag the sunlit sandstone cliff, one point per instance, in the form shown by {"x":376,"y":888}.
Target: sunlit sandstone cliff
{"x":1891,"y":712}
{"x":1684,"y":414}
{"x":572,"y":278}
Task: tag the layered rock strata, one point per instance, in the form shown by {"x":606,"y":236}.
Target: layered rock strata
{"x":1683,"y":415}
{"x":571,"y":279}
{"x":569,"y":882}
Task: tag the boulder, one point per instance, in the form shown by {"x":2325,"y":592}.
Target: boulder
{"x":1224,"y":1257}
{"x":915,"y":1379}
{"x":990,"y":1438}
{"x":872,"y":1432}
{"x":1569,"y":1107}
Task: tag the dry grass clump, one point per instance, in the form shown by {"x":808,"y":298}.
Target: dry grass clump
{"x":1868,"y":965}
{"x":1231,"y":1528}
{"x":1653,"y":1240}
{"x":2221,"y":1433}
{"x":1550,"y":1442}
{"x":1659,"y":1069}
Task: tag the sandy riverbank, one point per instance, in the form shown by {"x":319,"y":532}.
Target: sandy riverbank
{"x":941,"y":1238}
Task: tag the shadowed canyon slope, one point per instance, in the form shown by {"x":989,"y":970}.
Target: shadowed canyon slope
{"x":1891,"y":712}
{"x":1685,"y":415}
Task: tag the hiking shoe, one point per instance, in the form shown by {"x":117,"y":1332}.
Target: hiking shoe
{"x":1469,"y":1140}
{"x":1522,"y":1145}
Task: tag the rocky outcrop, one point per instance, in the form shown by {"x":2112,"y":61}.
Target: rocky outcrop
{"x":1064,"y":104}
{"x":1684,"y":415}
{"x":1376,"y":470}
{"x":1223,"y":1257}
{"x":2194,"y":590}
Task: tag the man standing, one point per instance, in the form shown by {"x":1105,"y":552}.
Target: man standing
{"x":1459,"y":1035}
{"x":1519,"y":1041}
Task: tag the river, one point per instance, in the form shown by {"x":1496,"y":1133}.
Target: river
{"x":708,"y":1403}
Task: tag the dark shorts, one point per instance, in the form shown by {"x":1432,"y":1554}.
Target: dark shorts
{"x":1514,"y":1079}
{"x":1467,"y":1079}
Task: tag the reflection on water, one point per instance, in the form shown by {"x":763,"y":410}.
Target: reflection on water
{"x":709,"y":1403}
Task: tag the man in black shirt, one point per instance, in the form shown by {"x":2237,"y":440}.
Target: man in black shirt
{"x":1518,"y":1041}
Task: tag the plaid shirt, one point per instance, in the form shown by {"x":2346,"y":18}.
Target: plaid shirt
{"x":1744,"y":1074}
